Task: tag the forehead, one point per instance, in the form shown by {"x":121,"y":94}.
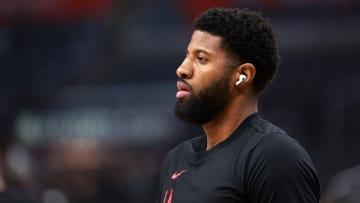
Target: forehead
{"x":206,"y":42}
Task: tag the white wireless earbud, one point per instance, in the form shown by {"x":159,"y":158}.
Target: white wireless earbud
{"x":242,"y":77}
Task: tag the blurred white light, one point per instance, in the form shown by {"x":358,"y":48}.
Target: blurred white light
{"x":19,"y":160}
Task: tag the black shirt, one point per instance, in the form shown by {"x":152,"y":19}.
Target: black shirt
{"x":258,"y":163}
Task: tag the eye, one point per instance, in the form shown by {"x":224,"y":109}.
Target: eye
{"x":202,"y":59}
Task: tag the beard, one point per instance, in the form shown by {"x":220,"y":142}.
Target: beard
{"x":202,"y":108}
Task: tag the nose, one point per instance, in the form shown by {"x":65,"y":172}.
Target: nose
{"x":184,"y":71}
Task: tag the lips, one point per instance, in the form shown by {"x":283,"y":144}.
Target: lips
{"x":183,"y":90}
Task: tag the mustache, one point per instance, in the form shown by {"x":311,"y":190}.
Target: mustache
{"x":186,"y":83}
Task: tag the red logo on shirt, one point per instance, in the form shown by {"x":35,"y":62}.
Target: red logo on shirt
{"x":168,"y":197}
{"x":177,"y":174}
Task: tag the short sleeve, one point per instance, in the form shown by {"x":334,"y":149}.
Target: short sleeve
{"x":280,"y":171}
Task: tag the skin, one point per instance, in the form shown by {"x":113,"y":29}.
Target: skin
{"x":207,"y":61}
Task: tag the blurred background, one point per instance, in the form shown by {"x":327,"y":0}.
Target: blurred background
{"x":87,"y":89}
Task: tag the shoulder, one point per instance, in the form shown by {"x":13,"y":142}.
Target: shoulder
{"x":279,"y":150}
{"x":273,"y":141}
{"x":281,"y":166}
{"x":277,"y":154}
{"x":264,"y":127}
{"x":280,"y":147}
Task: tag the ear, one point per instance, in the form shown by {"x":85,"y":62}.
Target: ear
{"x":247,"y":69}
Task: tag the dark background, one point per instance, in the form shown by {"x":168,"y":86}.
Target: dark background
{"x":87,"y":90}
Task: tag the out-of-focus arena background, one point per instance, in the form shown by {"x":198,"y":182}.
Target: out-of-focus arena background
{"x":87,"y":89}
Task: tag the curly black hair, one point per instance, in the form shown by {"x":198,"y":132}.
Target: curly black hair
{"x":247,"y":36}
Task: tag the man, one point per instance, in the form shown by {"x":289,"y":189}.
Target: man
{"x":230,"y":60}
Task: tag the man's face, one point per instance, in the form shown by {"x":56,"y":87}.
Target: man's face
{"x":204,"y":80}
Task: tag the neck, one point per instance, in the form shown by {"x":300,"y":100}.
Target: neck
{"x":220,"y":128}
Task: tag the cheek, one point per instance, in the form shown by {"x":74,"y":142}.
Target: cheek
{"x":204,"y":79}
{"x":205,"y":75}
{"x":199,"y":84}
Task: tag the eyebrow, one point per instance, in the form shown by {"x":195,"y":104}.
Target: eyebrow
{"x":197,"y":51}
{"x":202,"y":51}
